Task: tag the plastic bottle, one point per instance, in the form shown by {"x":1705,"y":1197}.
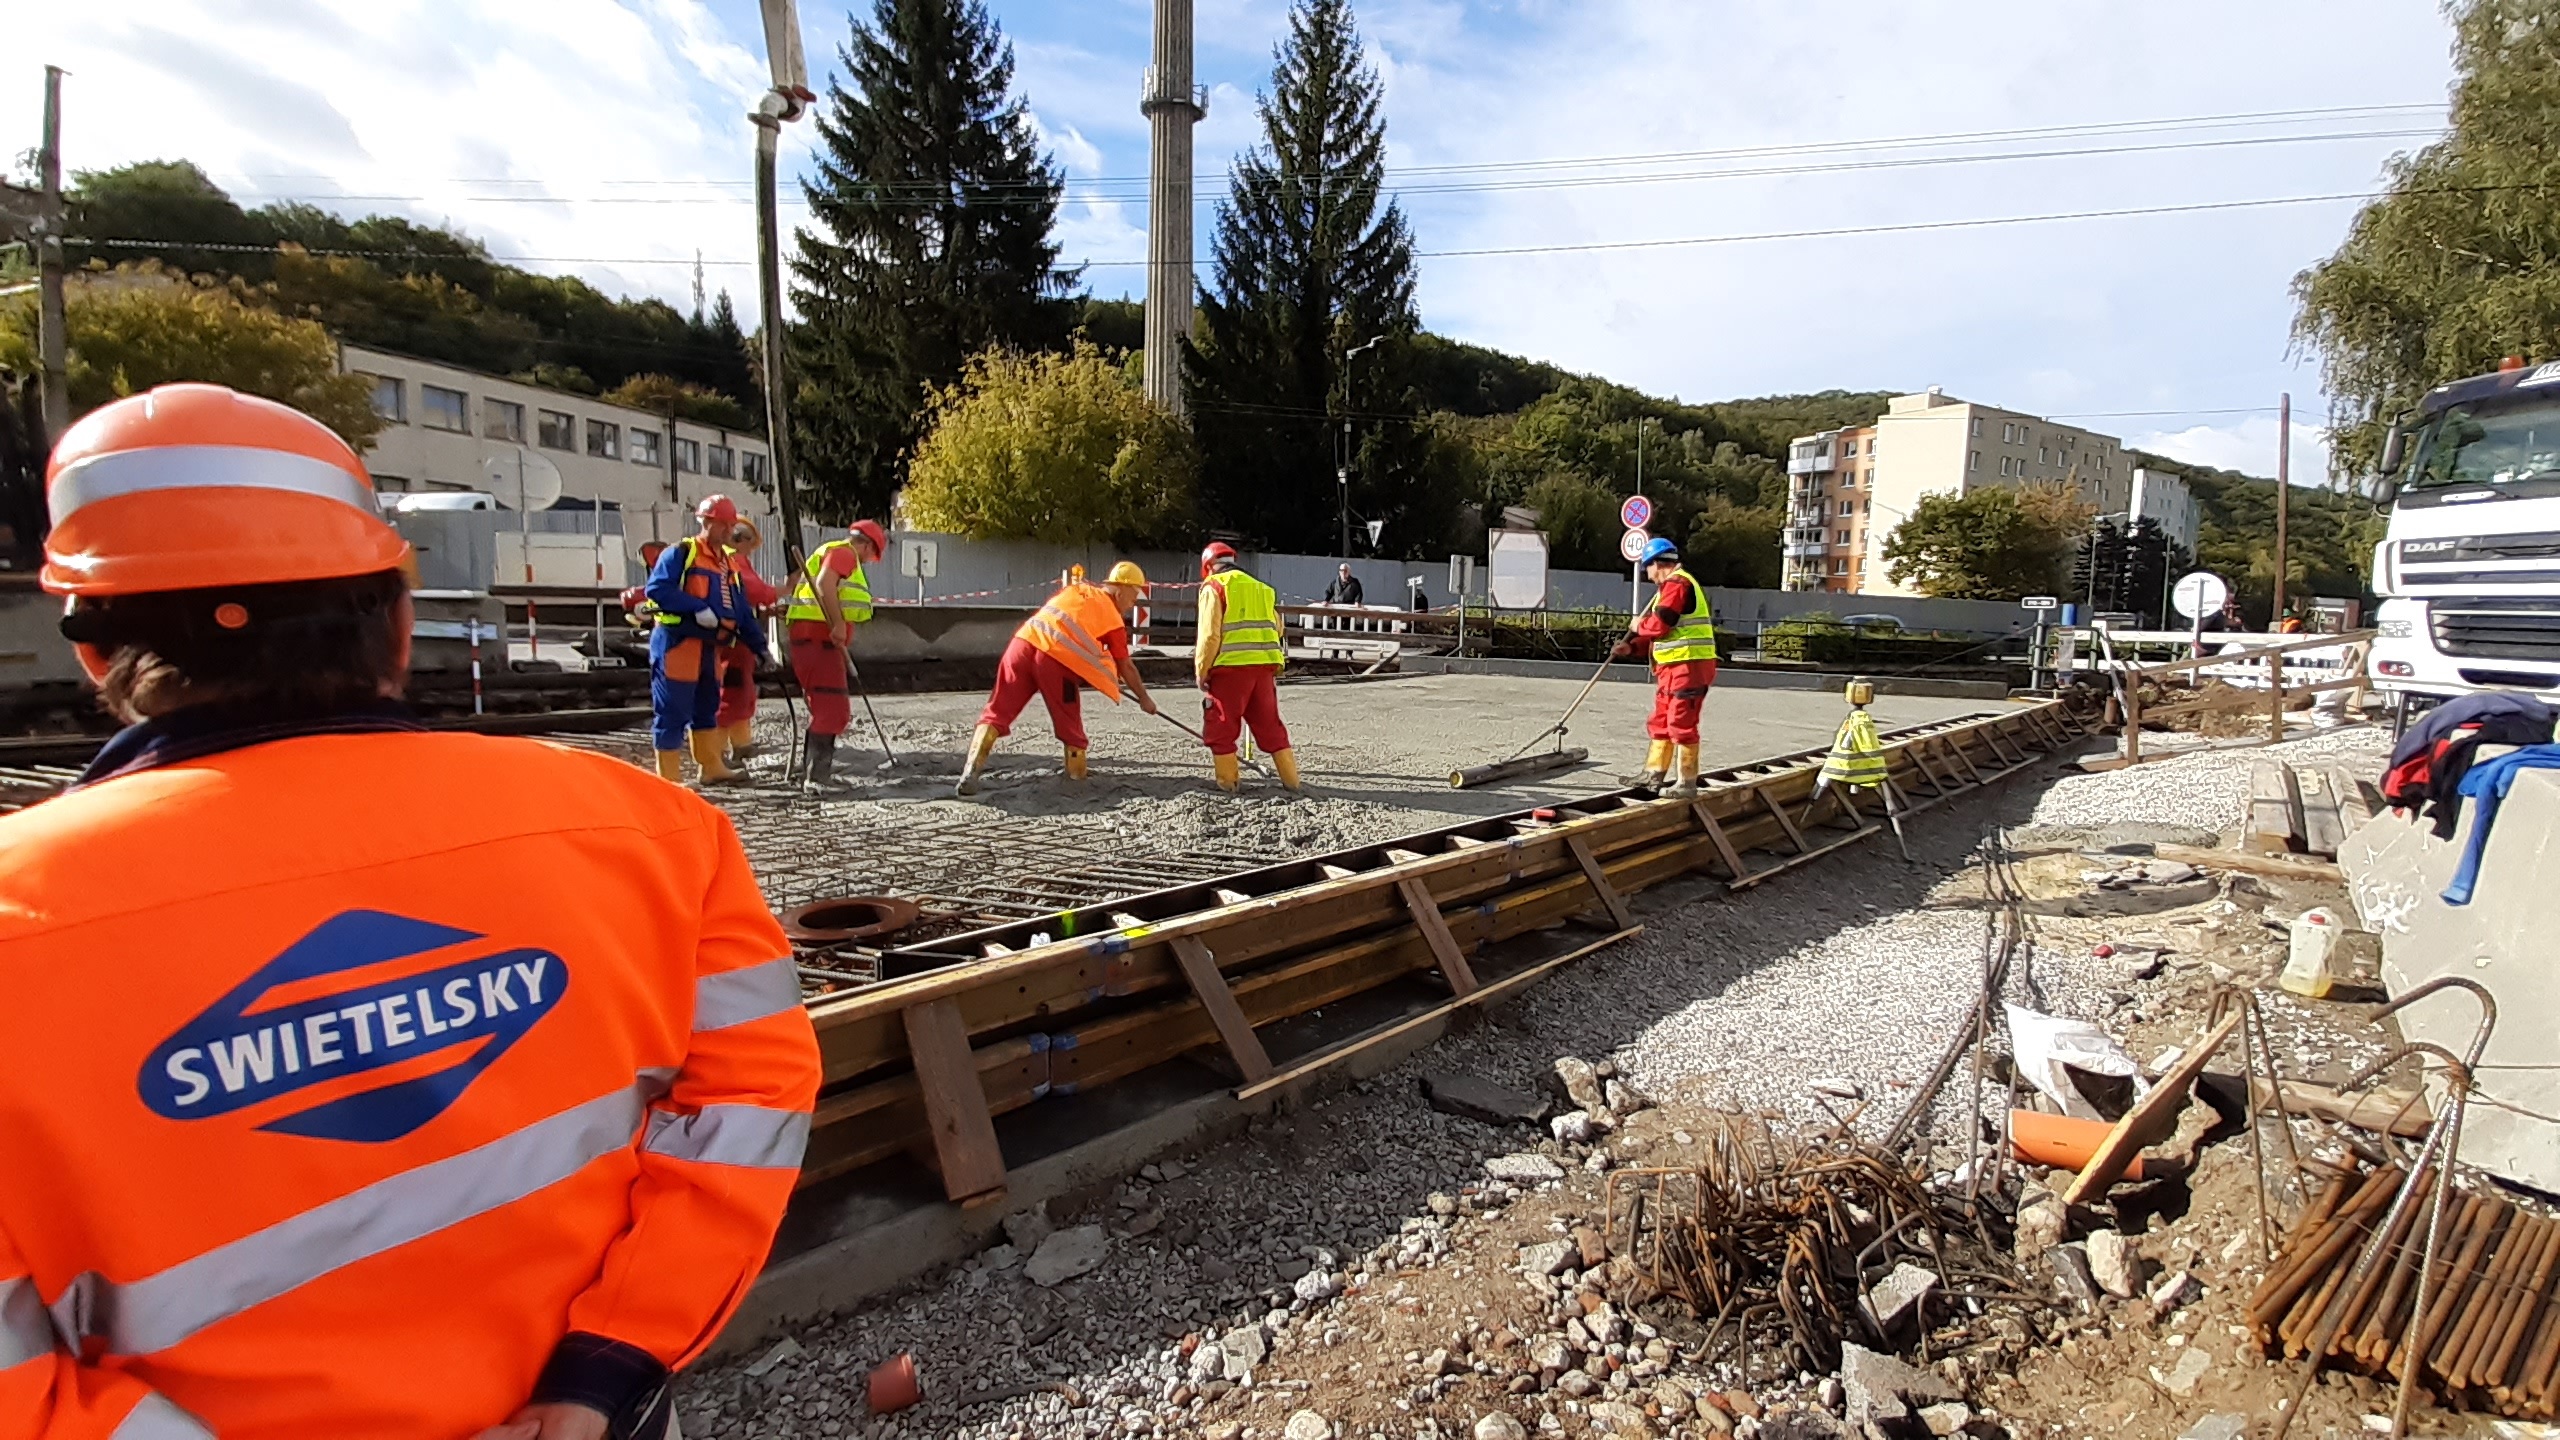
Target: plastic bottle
{"x":2315,"y":939}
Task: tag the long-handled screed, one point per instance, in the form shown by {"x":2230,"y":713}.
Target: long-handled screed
{"x":1249,"y":762}
{"x":1558,"y":729}
{"x":889,"y":759}
{"x":1512,"y":765}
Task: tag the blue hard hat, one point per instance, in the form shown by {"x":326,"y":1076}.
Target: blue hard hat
{"x":1660,"y":549}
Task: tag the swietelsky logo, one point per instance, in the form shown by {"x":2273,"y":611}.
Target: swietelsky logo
{"x":236,"y":1054}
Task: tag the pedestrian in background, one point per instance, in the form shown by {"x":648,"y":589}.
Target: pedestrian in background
{"x":1345,"y":589}
{"x":395,"y":1144}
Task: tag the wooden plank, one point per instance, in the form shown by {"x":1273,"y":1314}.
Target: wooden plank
{"x":2275,"y":810}
{"x":1435,"y":930}
{"x":2248,"y":864}
{"x":1336,"y":872}
{"x":2394,"y":1112}
{"x":2150,"y":1121}
{"x":1733,"y":867}
{"x":1795,"y":836}
{"x":1955,"y":747}
{"x":1405,"y":857}
{"x":2245,"y":656}
{"x":1231,"y":897}
{"x":2324,"y":829}
{"x":1201,"y":969}
{"x":1506,"y":986}
{"x":1601,"y":889}
{"x":2356,"y":808}
{"x":955,"y":1107}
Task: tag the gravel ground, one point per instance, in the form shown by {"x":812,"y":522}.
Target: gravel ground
{"x":1857,"y":969}
{"x":2208,"y":780}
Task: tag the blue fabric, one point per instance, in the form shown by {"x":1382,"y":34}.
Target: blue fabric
{"x":195,"y":733}
{"x":2487,"y":783}
{"x":676,"y":706}
{"x":727,"y":602}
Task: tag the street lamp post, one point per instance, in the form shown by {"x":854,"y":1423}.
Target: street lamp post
{"x":1342,"y":469}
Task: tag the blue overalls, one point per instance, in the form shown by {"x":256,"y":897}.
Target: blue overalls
{"x":684,"y":665}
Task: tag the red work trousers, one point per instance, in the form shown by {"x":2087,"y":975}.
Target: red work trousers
{"x":1238,"y":696}
{"x":1026,"y":671}
{"x":1679,"y":688}
{"x":737,"y":685}
{"x":819,"y":667}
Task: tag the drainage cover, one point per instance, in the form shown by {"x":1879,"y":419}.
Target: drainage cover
{"x":847,"y":918}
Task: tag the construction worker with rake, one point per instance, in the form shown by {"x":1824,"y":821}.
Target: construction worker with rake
{"x":833,"y":596}
{"x":737,"y":716}
{"x":1079,"y":639}
{"x":1237,"y":661}
{"x":365,"y":1080}
{"x":1681,"y":633}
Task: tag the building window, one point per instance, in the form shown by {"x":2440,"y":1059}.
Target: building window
{"x":644,"y":446}
{"x":689,"y":456}
{"x":2008,"y":433}
{"x":559,"y":430}
{"x":1866,"y":507}
{"x":2005,"y":467}
{"x":1848,"y":481}
{"x":2043,"y":456}
{"x":2025,"y":434}
{"x":390,"y":399}
{"x":1840,"y":538}
{"x":604,"y":440}
{"x":1839,"y":567}
{"x":442,"y":409}
{"x":752,"y":468}
{"x":502,"y":420}
{"x":724,"y":463}
{"x":1848,"y":507}
{"x":1977,"y":427}
{"x":1975,"y":462}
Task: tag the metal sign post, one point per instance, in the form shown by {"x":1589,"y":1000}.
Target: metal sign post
{"x":1635,"y":513}
{"x":2199,"y":593}
{"x":2042,"y":607}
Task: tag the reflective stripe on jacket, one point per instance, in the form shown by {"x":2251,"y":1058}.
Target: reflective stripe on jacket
{"x":1694,"y":638}
{"x":1856,"y":760}
{"x":472,"y":1044}
{"x":1074,"y":628}
{"x":1249,"y":621}
{"x":853,"y":588}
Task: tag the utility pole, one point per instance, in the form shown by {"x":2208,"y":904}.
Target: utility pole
{"x":1342,"y":471}
{"x":786,"y":101}
{"x":1172,"y":105}
{"x":2284,"y":496}
{"x":52,"y":356}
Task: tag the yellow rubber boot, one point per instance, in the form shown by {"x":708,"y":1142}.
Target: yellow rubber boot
{"x":742,"y":740}
{"x":671,"y":766}
{"x":1076,"y":768}
{"x":1688,"y":771}
{"x":981,"y":746}
{"x":1230,"y":772}
{"x":1657,"y":763}
{"x":706,"y":755}
{"x":1286,"y":762}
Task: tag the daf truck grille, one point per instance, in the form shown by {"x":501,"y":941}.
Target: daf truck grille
{"x":2497,"y":629}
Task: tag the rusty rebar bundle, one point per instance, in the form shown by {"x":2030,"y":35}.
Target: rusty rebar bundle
{"x":1783,"y":1241}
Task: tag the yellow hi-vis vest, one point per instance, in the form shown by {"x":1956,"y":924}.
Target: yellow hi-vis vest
{"x":853,"y":591}
{"x":1856,"y":761}
{"x":1694,"y":638}
{"x":1249,"y":632}
{"x":1074,"y":628}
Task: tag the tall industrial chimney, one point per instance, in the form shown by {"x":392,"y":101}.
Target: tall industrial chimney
{"x":1172,"y":106}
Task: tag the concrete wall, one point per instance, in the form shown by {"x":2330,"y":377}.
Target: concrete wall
{"x":2396,"y":872}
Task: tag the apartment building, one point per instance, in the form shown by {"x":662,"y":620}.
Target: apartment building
{"x":1926,"y":444}
{"x":451,"y":429}
{"x":1831,"y":480}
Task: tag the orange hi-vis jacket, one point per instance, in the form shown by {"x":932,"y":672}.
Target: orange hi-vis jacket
{"x":1073,"y":629}
{"x":374,"y":1084}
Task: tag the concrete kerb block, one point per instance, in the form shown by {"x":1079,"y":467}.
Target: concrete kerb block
{"x":844,"y":1272}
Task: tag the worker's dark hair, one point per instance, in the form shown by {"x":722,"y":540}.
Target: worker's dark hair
{"x":274,"y":652}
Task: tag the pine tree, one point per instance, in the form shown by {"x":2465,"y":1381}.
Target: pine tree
{"x":1309,"y":265}
{"x":933,"y":210}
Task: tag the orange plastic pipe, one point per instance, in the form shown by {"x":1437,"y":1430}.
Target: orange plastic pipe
{"x":2060,"y":1140}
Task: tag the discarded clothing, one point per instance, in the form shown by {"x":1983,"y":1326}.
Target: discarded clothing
{"x":2428,"y":764}
{"x":2487,"y":783}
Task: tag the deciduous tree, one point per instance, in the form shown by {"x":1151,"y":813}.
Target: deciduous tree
{"x":1993,"y":544}
{"x":1060,"y":448}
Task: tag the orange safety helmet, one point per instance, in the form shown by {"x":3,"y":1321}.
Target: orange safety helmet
{"x":1215,"y":551}
{"x":870,"y":530}
{"x":195,"y":487}
{"x":717,"y":507}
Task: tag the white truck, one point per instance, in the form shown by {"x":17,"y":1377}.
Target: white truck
{"x":2469,"y":570}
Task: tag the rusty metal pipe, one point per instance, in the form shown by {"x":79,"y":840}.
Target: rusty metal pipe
{"x":2373,"y":1339}
{"x":2492,"y":1374}
{"x":2488,"y":1313}
{"x":2470,"y":1235}
{"x":2277,"y":1296}
{"x":2539,"y":1360}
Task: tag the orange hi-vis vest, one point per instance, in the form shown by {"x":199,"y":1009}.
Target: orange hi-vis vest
{"x":1074,"y":629}
{"x":350,"y":1073}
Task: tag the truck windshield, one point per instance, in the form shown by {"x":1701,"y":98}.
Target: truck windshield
{"x":2501,"y":446}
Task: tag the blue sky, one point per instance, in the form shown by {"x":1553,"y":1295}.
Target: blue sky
{"x":603,"y":137}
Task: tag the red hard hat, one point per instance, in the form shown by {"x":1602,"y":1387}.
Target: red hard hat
{"x":870,"y":530}
{"x":190,"y":487}
{"x":717,"y":507}
{"x":1212,"y":553}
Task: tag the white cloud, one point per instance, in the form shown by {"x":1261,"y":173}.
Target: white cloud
{"x":2248,"y":446}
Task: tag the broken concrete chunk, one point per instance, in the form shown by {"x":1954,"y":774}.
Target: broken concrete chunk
{"x":1317,"y":1285}
{"x":1067,"y":1254}
{"x":1498,"y":1426}
{"x":2186,"y":1374}
{"x":1625,"y":1099}
{"x":786,"y":1349}
{"x":1581,"y":1083}
{"x":2041,"y":1221}
{"x":1481,"y":1100}
{"x":1897,"y":1298}
{"x":1526,"y":1168}
{"x":1548,"y":1352}
{"x":1947,"y":1418}
{"x":1001,"y":1257}
{"x":1617,"y":1417}
{"x":1308,"y":1425}
{"x":1209,"y":1362}
{"x":1838,"y":1088}
{"x":1552,"y":1257}
{"x":1573,"y":1127}
{"x":2218,"y":1427}
{"x":2179,"y":1288}
{"x":2071,"y":1274}
{"x":1879,"y":1387}
{"x":2115,"y":1264}
{"x":1027,"y":1228}
{"x":1245,"y":1349}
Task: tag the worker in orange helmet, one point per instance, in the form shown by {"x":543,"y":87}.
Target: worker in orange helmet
{"x":319,"y":1120}
{"x":832,"y":596}
{"x":736,"y":718}
{"x":1079,"y":638}
{"x":701,"y":604}
{"x":1237,"y":662}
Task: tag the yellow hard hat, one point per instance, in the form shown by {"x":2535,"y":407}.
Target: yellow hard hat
{"x":1126,"y":573}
